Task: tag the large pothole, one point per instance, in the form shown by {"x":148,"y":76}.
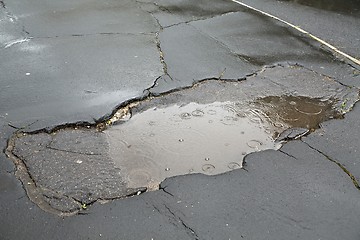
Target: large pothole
{"x":208,"y":138}
{"x":207,"y":129}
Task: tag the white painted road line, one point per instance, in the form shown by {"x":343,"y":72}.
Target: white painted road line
{"x":353,"y":59}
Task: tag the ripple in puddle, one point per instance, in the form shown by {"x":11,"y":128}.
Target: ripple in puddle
{"x":206,"y":138}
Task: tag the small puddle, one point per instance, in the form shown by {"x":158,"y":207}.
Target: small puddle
{"x":206,"y":138}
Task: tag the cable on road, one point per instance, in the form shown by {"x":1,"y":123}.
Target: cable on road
{"x":353,"y":59}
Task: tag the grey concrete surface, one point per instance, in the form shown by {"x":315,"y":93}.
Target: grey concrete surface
{"x":74,"y":62}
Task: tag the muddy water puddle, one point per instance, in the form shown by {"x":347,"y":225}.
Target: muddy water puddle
{"x":296,"y":112}
{"x":206,"y":138}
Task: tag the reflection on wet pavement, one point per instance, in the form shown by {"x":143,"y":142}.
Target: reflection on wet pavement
{"x":206,"y":138}
{"x":348,"y":6}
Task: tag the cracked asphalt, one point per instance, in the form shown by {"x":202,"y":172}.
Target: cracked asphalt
{"x":68,"y":68}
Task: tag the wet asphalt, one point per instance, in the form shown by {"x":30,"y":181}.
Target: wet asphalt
{"x":75,"y":63}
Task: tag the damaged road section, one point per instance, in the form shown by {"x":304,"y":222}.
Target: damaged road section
{"x":207,"y":128}
{"x":67,"y":170}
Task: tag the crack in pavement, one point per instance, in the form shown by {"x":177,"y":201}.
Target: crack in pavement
{"x":288,"y":154}
{"x":190,"y":230}
{"x":161,"y":53}
{"x":165,"y":191}
{"x":162,"y":8}
{"x":158,"y":45}
{"x":199,"y":81}
{"x":175,"y":220}
{"x":195,"y":82}
{"x":351,"y":176}
{"x":150,"y":12}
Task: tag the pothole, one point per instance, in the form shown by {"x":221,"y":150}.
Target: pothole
{"x":208,"y":138}
{"x":207,"y":129}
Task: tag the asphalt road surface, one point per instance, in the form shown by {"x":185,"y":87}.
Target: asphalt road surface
{"x":78,"y":78}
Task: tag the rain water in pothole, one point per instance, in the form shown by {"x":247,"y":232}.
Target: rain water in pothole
{"x":206,"y":138}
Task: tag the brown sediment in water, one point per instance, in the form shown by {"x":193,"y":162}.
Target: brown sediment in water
{"x":297,"y":111}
